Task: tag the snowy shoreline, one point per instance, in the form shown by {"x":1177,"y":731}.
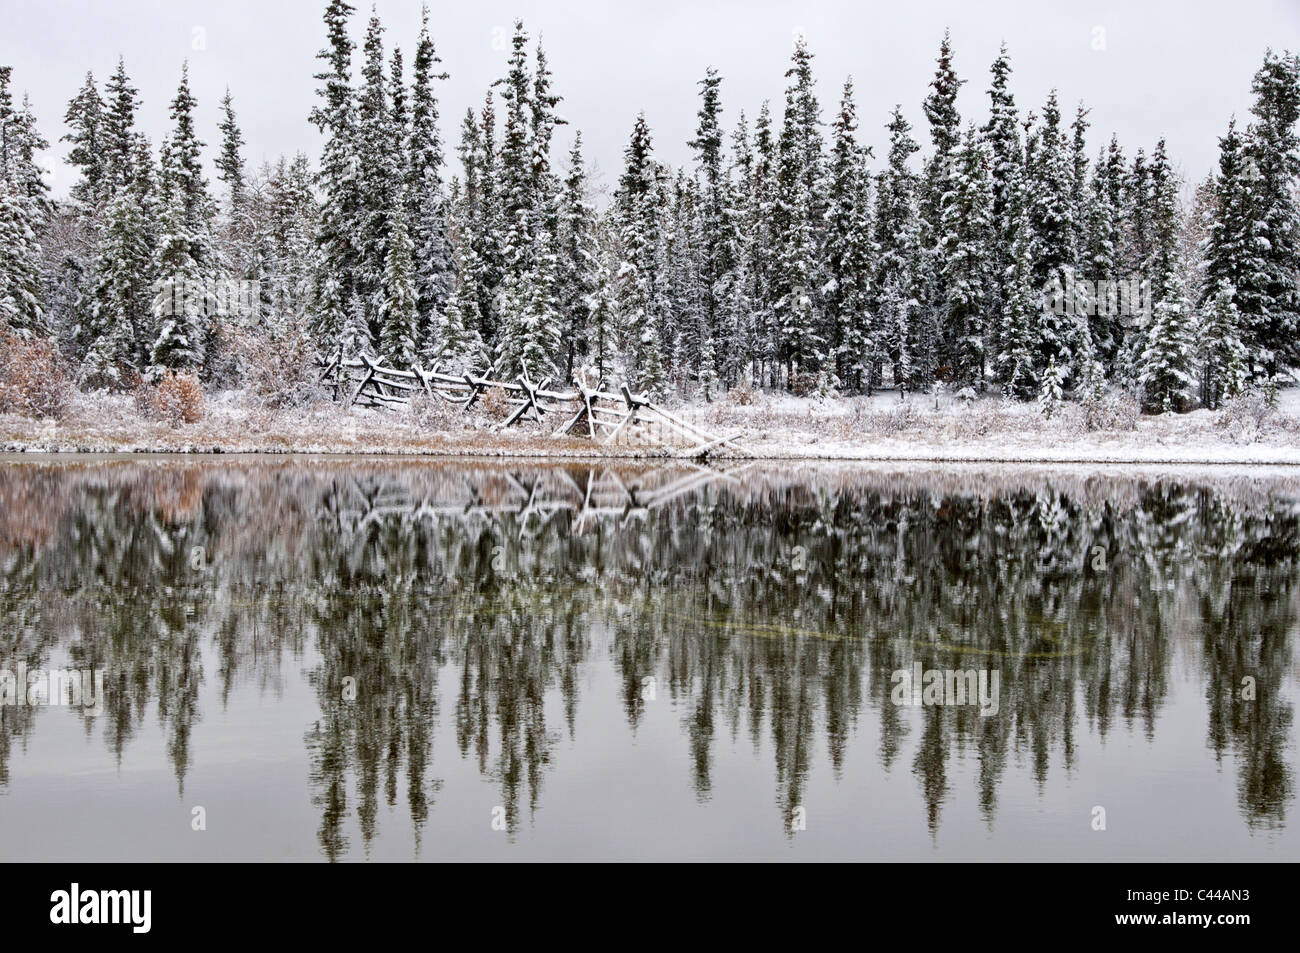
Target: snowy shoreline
{"x":772,"y":427}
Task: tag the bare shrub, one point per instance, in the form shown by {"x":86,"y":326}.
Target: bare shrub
{"x":980,"y":418}
{"x":804,"y":385}
{"x":176,"y":399}
{"x":902,"y":416}
{"x":1245,"y":415}
{"x":1117,"y":411}
{"x":494,"y":405}
{"x":278,"y":370}
{"x":743,"y":394}
{"x":32,"y":380}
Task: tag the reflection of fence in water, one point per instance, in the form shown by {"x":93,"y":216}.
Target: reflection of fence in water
{"x":598,"y":494}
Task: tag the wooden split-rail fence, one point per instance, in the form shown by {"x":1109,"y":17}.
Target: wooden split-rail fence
{"x":597,"y":413}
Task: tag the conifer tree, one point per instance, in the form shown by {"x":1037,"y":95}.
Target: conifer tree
{"x":849,"y":331}
{"x":1102,"y":261}
{"x":1017,"y":355}
{"x":85,"y":118}
{"x":965,"y":256}
{"x":381,"y":163}
{"x":1221,"y":355}
{"x":426,"y":204}
{"x":1166,"y":369}
{"x":636,"y":277}
{"x":119,"y":137}
{"x":1273,"y":156}
{"x":797,"y":216}
{"x":23,"y":213}
{"x":938,"y":184}
{"x":336,"y":238}
{"x":186,"y":257}
{"x":897,"y":237}
{"x":230,"y":161}
{"x":579,"y":262}
{"x":716,"y":262}
{"x":1002,"y":135}
{"x":398,"y":316}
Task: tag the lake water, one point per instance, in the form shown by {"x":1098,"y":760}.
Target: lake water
{"x":368,"y":659}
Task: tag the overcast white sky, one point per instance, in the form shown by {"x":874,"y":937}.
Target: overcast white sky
{"x":1145,"y":69}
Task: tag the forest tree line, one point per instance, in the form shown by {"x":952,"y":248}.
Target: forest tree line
{"x":1007,"y":257}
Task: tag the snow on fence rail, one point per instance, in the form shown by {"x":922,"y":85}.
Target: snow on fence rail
{"x":598,"y":414}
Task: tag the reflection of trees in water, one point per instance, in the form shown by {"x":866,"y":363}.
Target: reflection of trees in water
{"x":769,"y":607}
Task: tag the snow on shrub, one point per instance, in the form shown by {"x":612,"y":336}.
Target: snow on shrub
{"x":743,"y":394}
{"x":1111,"y":412}
{"x":278,"y":371}
{"x":32,"y":380}
{"x":1244,"y":416}
{"x":433,"y":413}
{"x":174,"y":400}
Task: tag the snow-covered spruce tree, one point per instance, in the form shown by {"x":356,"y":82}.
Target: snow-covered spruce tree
{"x":1155,"y":220}
{"x":938,"y":182}
{"x":180,"y":298}
{"x":515,"y":182}
{"x":1016,"y":368}
{"x":717,"y":261}
{"x":1231,"y":255}
{"x":636,"y":211}
{"x":118,"y":140}
{"x":475,"y":213}
{"x":244,"y":237}
{"x":762,"y":203}
{"x":530,"y":317}
{"x":965,"y":259}
{"x":533,"y":310}
{"x":1002,"y":136}
{"x":797,"y":219}
{"x":426,"y":206}
{"x":460,"y":347}
{"x":1164,"y":264}
{"x":336,"y":235}
{"x":850,"y":337}
{"x":292,"y":220}
{"x":118,"y":321}
{"x":20,"y":262}
{"x":579,"y":262}
{"x":187,"y":267}
{"x":905,"y":339}
{"x":1101,"y":258}
{"x":398,"y":315}
{"x":1050,"y":392}
{"x":1273,"y":165}
{"x":85,"y":120}
{"x":23,"y":213}
{"x":1051,"y":219}
{"x":1166,"y":369}
{"x":737,"y":318}
{"x":230,"y":160}
{"x":381,"y":162}
{"x":685,"y":281}
{"x":602,"y":322}
{"x":545,"y":117}
{"x":1079,"y":196}
{"x":1220,"y":353}
{"x":355,"y":339}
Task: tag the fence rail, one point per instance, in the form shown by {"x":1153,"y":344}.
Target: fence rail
{"x":599,"y":414}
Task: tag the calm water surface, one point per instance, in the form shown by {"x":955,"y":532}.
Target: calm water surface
{"x":370,"y":660}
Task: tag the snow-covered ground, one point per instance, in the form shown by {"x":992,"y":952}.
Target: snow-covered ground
{"x":883,"y":427}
